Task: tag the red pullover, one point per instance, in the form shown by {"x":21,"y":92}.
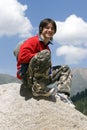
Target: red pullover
{"x":29,"y":49}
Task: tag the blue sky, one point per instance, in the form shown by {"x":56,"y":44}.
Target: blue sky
{"x":19,"y":19}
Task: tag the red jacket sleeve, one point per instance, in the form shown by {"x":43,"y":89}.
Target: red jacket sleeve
{"x":27,"y":51}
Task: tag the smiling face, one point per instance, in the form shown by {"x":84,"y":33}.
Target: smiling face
{"x":47,"y":33}
{"x":47,"y":29}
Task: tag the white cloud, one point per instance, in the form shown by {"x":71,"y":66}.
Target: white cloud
{"x":72,"y":36}
{"x":72,"y":31}
{"x":13,"y":20}
{"x":72,"y":54}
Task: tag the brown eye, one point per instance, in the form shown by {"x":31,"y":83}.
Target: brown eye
{"x":52,"y":29}
{"x":47,"y":27}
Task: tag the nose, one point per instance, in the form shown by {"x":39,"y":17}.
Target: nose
{"x":50,"y":29}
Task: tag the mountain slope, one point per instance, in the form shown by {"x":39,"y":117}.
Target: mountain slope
{"x":5,"y":78}
{"x":79,"y":80}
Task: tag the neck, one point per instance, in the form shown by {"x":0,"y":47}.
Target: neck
{"x":45,"y":40}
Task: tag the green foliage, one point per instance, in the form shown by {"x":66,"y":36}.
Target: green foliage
{"x":81,"y":105}
{"x":80,"y":101}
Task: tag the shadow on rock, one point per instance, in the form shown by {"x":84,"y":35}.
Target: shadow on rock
{"x":27,"y":93}
{"x":50,"y":98}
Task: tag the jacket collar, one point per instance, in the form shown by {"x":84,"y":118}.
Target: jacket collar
{"x":40,"y":39}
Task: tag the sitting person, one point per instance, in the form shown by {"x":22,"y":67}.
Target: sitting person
{"x":35,"y":67}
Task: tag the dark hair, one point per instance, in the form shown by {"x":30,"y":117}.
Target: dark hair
{"x":45,"y":22}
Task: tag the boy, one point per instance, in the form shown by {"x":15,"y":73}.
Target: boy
{"x":34,"y":64}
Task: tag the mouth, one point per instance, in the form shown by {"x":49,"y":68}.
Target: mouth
{"x":50,"y":34}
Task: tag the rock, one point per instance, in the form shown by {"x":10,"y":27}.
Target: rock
{"x":20,"y":111}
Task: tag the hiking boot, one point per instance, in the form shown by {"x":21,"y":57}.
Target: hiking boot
{"x":27,"y":83}
{"x":46,"y":93}
{"x":65,"y":98}
{"x":24,"y":84}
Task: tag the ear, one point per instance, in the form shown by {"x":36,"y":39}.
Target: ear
{"x":40,"y":29}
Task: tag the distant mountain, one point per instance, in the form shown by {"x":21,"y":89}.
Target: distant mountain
{"x":79,"y":80}
{"x":5,"y":78}
{"x":78,"y":87}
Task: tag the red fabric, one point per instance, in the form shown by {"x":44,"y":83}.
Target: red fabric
{"x":29,"y":49}
{"x":18,"y":76}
